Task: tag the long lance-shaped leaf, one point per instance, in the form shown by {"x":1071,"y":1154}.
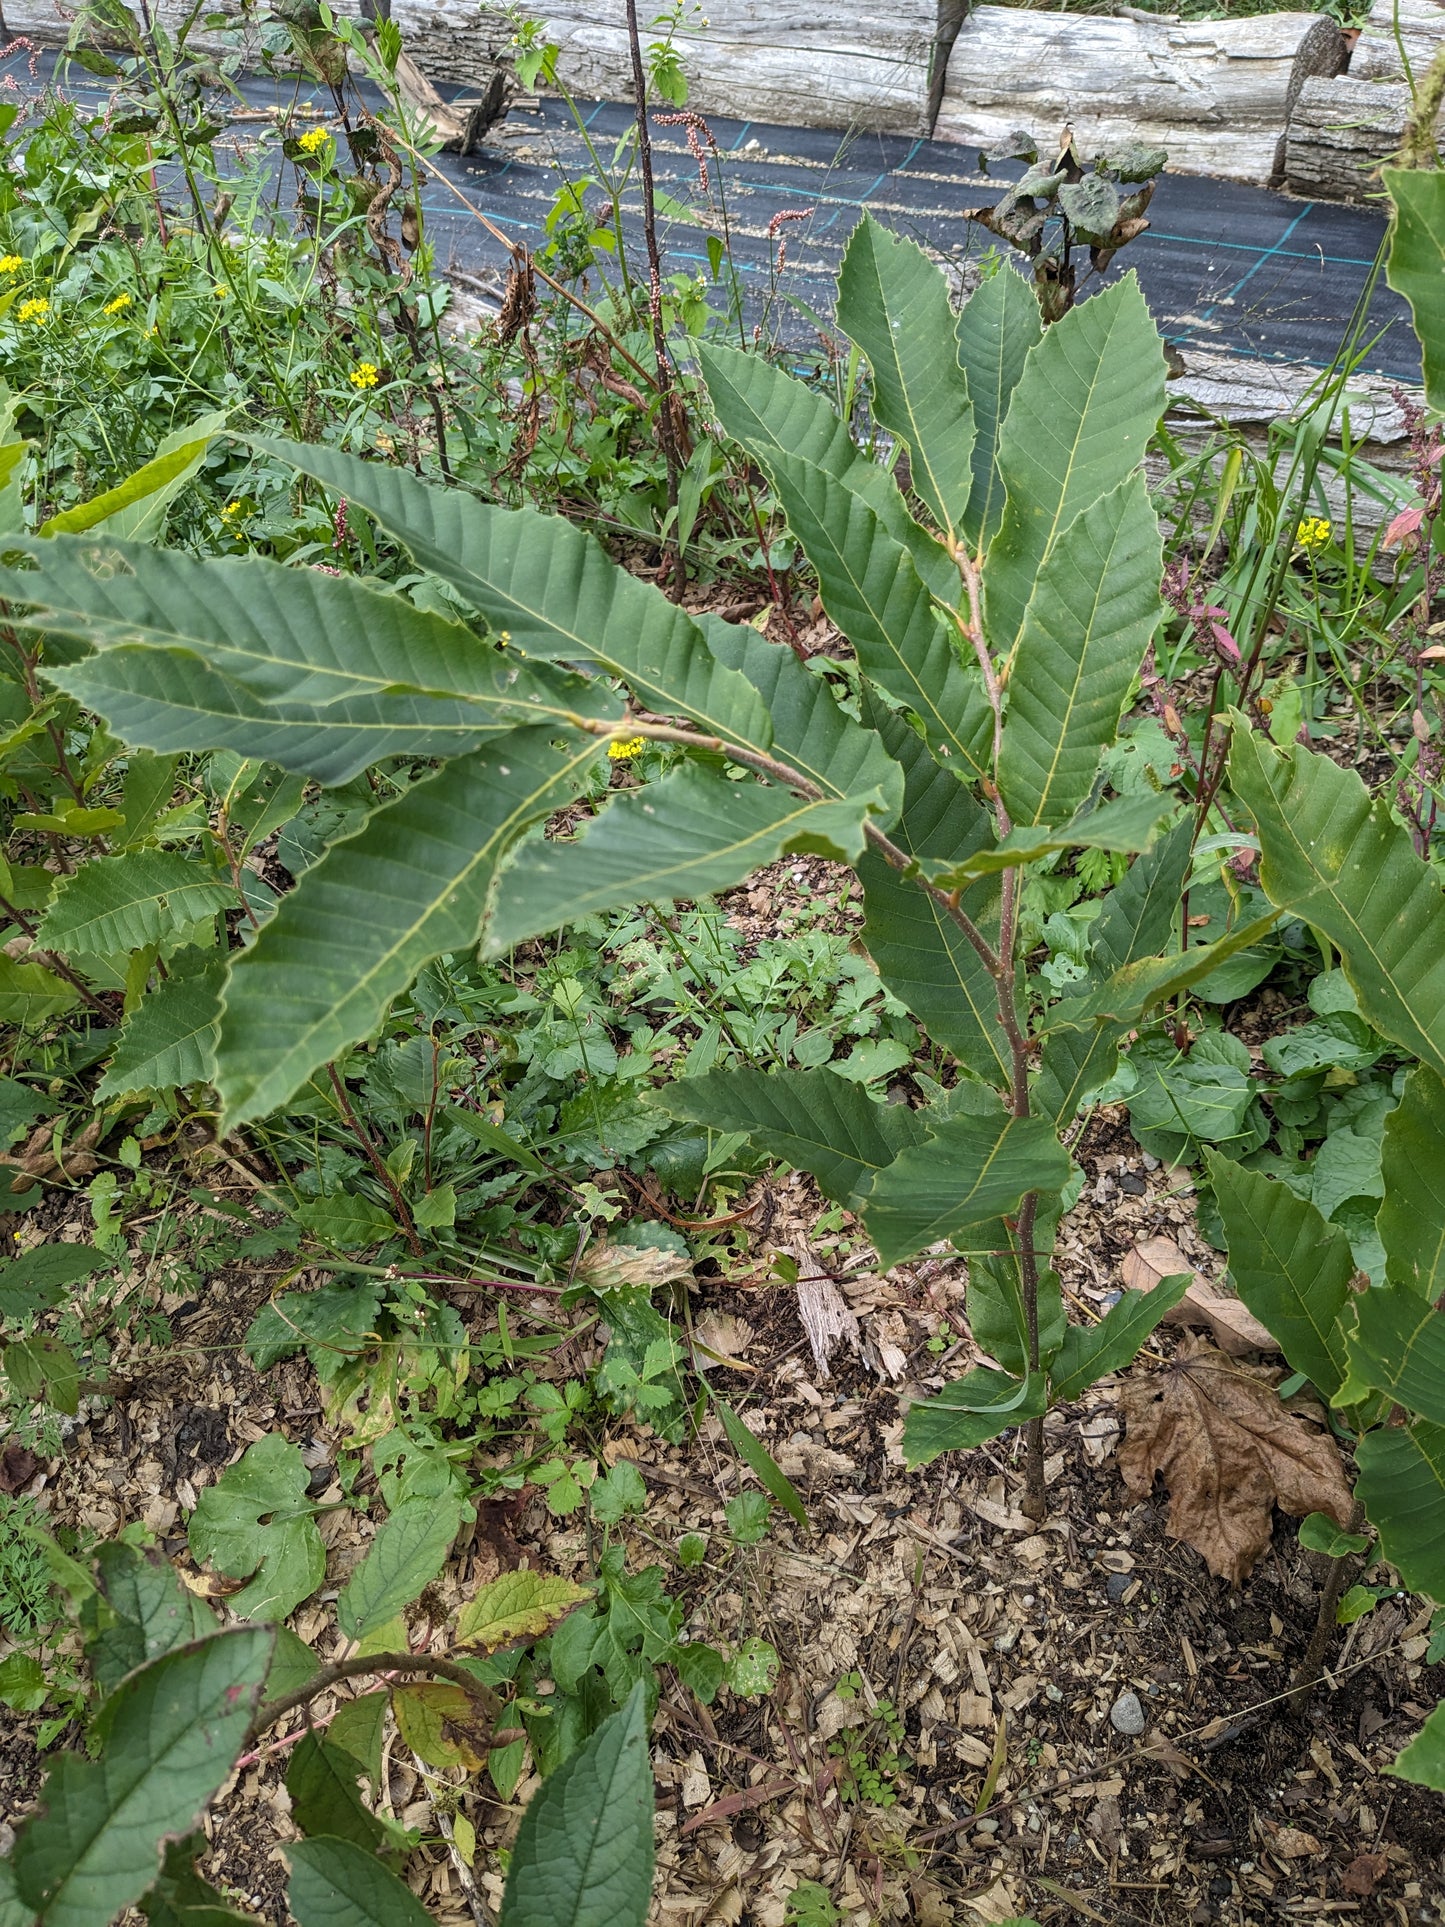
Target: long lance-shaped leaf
{"x":172,"y":1732}
{"x":168,"y":700}
{"x":1089,"y":1351}
{"x":893,"y":303}
{"x":1127,"y":824}
{"x":412,"y":883}
{"x":685,"y":837}
{"x":1416,"y":267}
{"x":552,"y":588}
{"x":919,"y":951}
{"x":291,"y":635}
{"x":973,"y":1170}
{"x":771,"y":412}
{"x":970,"y":1412}
{"x":1290,"y":1267}
{"x":1136,"y":921}
{"x":1087,"y":624}
{"x":872,"y":591}
{"x":139,"y":897}
{"x":1081,"y":416}
{"x":1398,"y":1347}
{"x":1334,"y":857}
{"x":810,"y":732}
{"x":1411,"y":1219}
{"x":1125,"y":996}
{"x":1402,"y":1488}
{"x":995,"y":330}
{"x":814,"y":1120}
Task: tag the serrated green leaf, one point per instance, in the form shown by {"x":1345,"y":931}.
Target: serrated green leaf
{"x":1127,"y":824}
{"x":1089,"y":1351}
{"x":519,"y":1605}
{"x":411,"y":884}
{"x":814,"y":1120}
{"x":974,"y":1409}
{"x":335,"y":1883}
{"x":684,"y":837}
{"x":1401,"y":1485}
{"x":1290,"y":1268}
{"x":551,"y":588}
{"x":919,"y":951}
{"x":1416,"y":264}
{"x":1411,"y":1221}
{"x":893,"y":303}
{"x":125,"y":902}
{"x":30,"y":995}
{"x":1089,"y":398}
{"x":40,"y":1278}
{"x":257,"y":1523}
{"x":971,"y":1171}
{"x":323,"y":1780}
{"x":169,"y":1039}
{"x":154,"y":1612}
{"x":401,"y":1562}
{"x":584,"y":1854}
{"x":1398,"y":1347}
{"x":175,"y":1729}
{"x":996,"y":328}
{"x":1336,"y":858}
{"x":1087,"y":624}
{"x":1423,"y":1760}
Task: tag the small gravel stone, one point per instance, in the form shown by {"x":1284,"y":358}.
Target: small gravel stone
{"x":1117,"y":1584}
{"x":1126,"y":1715}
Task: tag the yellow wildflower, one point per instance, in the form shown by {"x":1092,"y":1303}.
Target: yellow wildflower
{"x":11,"y":263}
{"x":35,"y":310}
{"x":220,"y":291}
{"x":1313,"y":532}
{"x":623,"y":750}
{"x":313,"y":142}
{"x":365,"y":374}
{"x":118,"y":306}
{"x":231,"y":510}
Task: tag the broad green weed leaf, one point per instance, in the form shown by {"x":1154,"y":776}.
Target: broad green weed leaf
{"x":971,"y":1171}
{"x":974,"y":1409}
{"x":404,"y":1558}
{"x":584,"y":1855}
{"x":1423,"y":1760}
{"x":335,"y":1883}
{"x":124,"y":902}
{"x":1319,"y":1533}
{"x":1401,"y":1485}
{"x":346,"y":1220}
{"x":519,"y":1605}
{"x":175,"y":1728}
{"x":154,"y":1612}
{"x":1416,"y":266}
{"x":1412,"y":1168}
{"x":257,"y":1523}
{"x":40,"y":1278}
{"x":760,"y":1462}
{"x":323,"y":1780}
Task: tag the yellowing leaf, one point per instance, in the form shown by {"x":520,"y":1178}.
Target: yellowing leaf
{"x":519,"y":1605}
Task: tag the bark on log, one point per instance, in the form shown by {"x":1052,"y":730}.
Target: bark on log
{"x":1215,"y":94}
{"x":1340,"y":132}
{"x":1377,"y":51}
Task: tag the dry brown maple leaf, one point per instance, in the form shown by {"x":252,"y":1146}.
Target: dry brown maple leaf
{"x":1229,"y":1451}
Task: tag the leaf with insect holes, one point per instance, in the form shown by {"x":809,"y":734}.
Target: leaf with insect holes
{"x":1229,"y":1450}
{"x":519,"y":1605}
{"x":256,"y":1523}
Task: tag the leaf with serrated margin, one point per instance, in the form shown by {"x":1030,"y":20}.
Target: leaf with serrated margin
{"x":995,"y":329}
{"x":971,"y":1171}
{"x":893,"y":304}
{"x":871,"y":589}
{"x":971,"y":1411}
{"x":169,"y":700}
{"x":551,"y":587}
{"x":1137,"y":919}
{"x":814,"y":1120}
{"x":175,"y":1729}
{"x":1127,"y":824}
{"x":769,"y":411}
{"x":683,"y":837}
{"x":519,"y":1605}
{"x":811,"y":734}
{"x":1401,"y":1485}
{"x":1135,"y":988}
{"x":1398,"y":1347}
{"x":169,"y":1039}
{"x":125,"y":902}
{"x":401,"y":1562}
{"x":1087,"y":624}
{"x":917,"y":948}
{"x":584,"y":1854}
{"x":1089,"y":398}
{"x":1289,"y":1266}
{"x":1411,"y":1220}
{"x":336,"y":1883}
{"x":1416,"y":265}
{"x":153,"y":1613}
{"x":1336,"y":858}
{"x":412,"y":883}
{"x":1089,"y":1351}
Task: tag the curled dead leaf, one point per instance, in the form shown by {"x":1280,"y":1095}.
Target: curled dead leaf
{"x":1229,"y":1451}
{"x":1204,"y":1307}
{"x":606,"y":1266}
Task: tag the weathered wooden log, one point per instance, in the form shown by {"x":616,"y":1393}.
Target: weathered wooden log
{"x":1421,"y":29}
{"x":1216,"y":94}
{"x":1339,"y":133}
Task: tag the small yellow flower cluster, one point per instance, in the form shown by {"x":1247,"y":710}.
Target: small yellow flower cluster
{"x":11,"y":263}
{"x":35,"y":310}
{"x":1313,"y":532}
{"x":313,"y":142}
{"x":365,"y":374}
{"x":623,"y":751}
{"x":220,"y":291}
{"x":231,"y":511}
{"x":118,"y":306}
